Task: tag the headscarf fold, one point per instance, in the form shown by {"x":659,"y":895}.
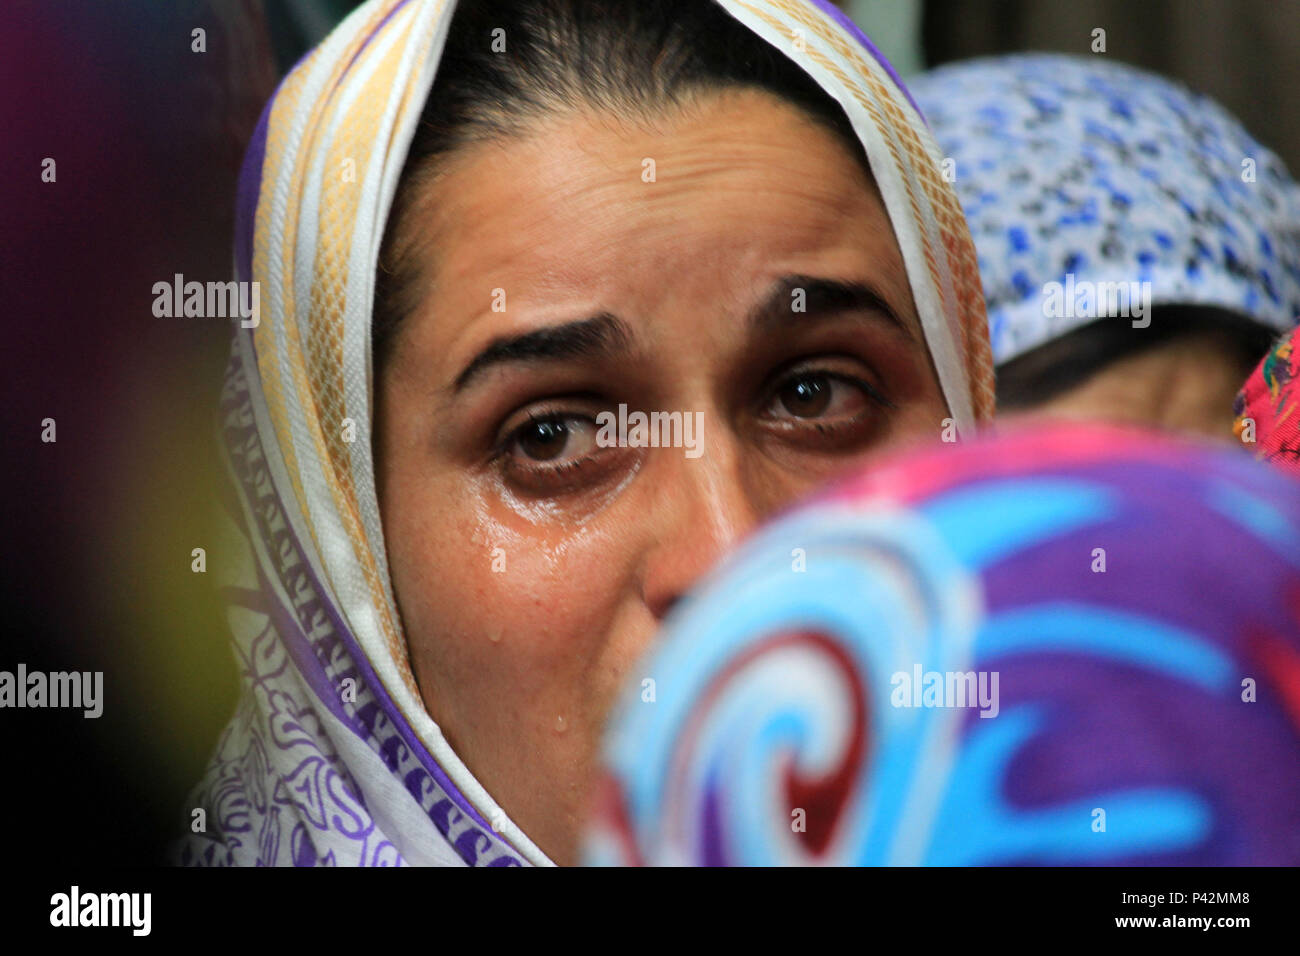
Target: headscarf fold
{"x":331,"y":757}
{"x":1127,"y":608}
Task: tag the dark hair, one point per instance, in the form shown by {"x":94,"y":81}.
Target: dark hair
{"x":627,"y":57}
{"x":1043,"y":373}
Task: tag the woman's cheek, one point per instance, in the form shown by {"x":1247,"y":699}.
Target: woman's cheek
{"x":927,"y":418}
{"x":543,"y":598}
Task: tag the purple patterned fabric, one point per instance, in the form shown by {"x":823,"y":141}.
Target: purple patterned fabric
{"x":279,"y":760}
{"x":1127,"y":608}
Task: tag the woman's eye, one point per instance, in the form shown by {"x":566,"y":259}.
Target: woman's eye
{"x":826,"y":411}
{"x":819,"y":395}
{"x":556,"y":453}
{"x":554,"y":439}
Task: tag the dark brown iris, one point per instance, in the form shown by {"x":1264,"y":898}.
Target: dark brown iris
{"x":544,"y":440}
{"x":807,"y":397}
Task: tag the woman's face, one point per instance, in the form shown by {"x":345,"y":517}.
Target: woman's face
{"x":731,"y":263}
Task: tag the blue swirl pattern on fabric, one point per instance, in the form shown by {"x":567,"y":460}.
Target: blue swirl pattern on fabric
{"x":1071,"y":645}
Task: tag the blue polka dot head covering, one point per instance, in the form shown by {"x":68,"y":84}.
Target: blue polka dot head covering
{"x":1068,"y":166}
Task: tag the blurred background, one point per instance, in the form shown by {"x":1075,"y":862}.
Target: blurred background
{"x":147,"y":132}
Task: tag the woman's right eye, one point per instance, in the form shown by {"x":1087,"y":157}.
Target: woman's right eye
{"x":554,"y":454}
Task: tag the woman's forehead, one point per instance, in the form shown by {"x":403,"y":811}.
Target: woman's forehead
{"x":731,"y":192}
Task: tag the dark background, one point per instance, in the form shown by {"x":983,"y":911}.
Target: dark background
{"x":147,"y":135}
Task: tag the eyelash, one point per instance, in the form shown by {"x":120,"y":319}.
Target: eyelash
{"x":505,"y":445}
{"x":503,"y":450}
{"x":826,"y":429}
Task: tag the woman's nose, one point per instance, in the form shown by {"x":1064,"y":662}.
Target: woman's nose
{"x":702,"y":510}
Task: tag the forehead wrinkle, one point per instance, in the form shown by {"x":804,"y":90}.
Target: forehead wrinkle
{"x":680,"y":155}
{"x":541,"y":209}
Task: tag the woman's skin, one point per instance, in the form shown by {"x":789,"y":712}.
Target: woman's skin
{"x":527,"y":593}
{"x":1186,"y":386}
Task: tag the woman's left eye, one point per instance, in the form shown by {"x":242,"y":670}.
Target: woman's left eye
{"x":822,"y":396}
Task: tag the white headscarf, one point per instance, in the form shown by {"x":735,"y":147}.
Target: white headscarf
{"x":332,"y":757}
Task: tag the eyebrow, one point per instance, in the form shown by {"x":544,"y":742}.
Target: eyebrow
{"x":604,"y":335}
{"x":822,"y":299}
{"x":601,"y":335}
